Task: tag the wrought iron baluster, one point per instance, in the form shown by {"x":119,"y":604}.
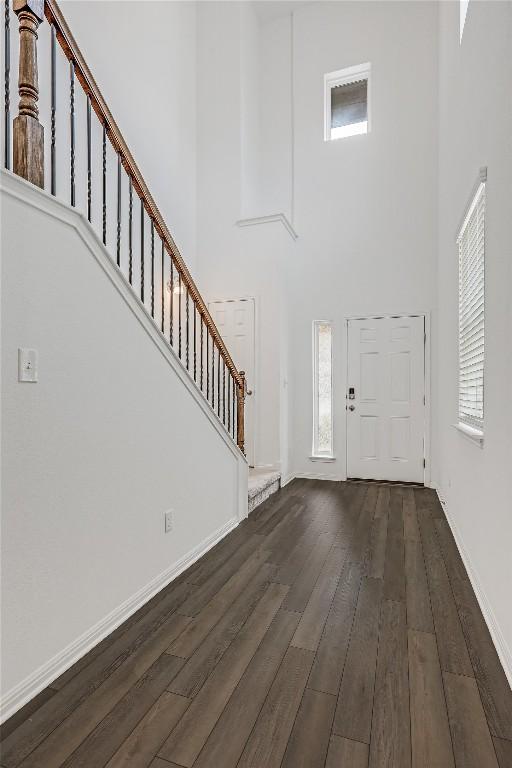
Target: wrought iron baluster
{"x":53,"y":63}
{"x":207,"y":364}
{"x":118,"y":209}
{"x":104,"y":184}
{"x":195,"y":342}
{"x":201,"y":358}
{"x":171,"y":307}
{"x":187,"y":320}
{"x":213,"y":373}
{"x":130,"y":231}
{"x":7,"y":84}
{"x":152,"y":268}
{"x":229,"y":401}
{"x":142,"y":251}
{"x":233,"y":396}
{"x":72,"y":127}
{"x":218,"y":383}
{"x":223,"y":392}
{"x":179,"y":315}
{"x":162,"y":319}
{"x":89,"y":161}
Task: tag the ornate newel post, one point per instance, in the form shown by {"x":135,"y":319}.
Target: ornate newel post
{"x":28,"y":133}
{"x":240,"y":402}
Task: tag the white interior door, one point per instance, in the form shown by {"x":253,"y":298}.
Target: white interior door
{"x":235,"y":321}
{"x":386,"y":398}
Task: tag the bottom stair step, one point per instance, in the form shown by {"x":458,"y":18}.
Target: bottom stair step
{"x":262,"y":484}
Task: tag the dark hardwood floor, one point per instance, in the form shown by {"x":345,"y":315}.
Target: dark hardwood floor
{"x":336,"y":627}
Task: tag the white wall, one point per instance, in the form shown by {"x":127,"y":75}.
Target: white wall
{"x":475,"y":129}
{"x":365,"y":206}
{"x":235,"y":262}
{"x":95,"y":452}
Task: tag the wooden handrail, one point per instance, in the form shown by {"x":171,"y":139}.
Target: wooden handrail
{"x":83,"y":73}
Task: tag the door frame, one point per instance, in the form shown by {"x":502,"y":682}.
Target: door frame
{"x":427,"y":471}
{"x":256,"y":359}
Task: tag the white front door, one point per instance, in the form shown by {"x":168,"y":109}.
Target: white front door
{"x":235,"y":321}
{"x":385,"y":398}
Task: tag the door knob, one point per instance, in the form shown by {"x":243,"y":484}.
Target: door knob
{"x":351,"y":407}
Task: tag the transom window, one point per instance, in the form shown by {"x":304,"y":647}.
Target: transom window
{"x":471,"y":242}
{"x":347,"y":102}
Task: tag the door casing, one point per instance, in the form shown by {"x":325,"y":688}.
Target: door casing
{"x":252,"y":385}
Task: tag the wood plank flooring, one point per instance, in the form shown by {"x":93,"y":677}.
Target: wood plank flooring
{"x":335,"y":628}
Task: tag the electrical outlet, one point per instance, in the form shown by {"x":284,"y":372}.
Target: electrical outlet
{"x":27,"y":364}
{"x":168,"y":521}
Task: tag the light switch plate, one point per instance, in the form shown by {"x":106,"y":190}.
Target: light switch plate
{"x":168,"y":521}
{"x":27,"y":365}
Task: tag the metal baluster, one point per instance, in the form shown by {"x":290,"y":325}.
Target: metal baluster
{"x":179,"y":315}
{"x":72,"y":126}
{"x":162,"y":290}
{"x":218,"y":383}
{"x":104,"y":187}
{"x":229,"y":401}
{"x":223,"y":392}
{"x":213,"y":374}
{"x":130,"y":231}
{"x":171,"y":307}
{"x":195,"y":343}
{"x":187,"y":313}
{"x":234,"y":408}
{"x":7,"y":91}
{"x":89,"y":161}
{"x":207,"y":364}
{"x":201,"y":358}
{"x":118,"y":209}
{"x":152,"y":268}
{"x":142,"y":251}
{"x":53,"y":110}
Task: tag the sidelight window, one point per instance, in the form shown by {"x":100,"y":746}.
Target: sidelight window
{"x":322,"y":389}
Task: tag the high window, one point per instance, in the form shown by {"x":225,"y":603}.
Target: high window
{"x":471,"y":242}
{"x":347,"y":102}
{"x":322,"y":389}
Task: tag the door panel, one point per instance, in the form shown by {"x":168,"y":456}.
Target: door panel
{"x":235,"y":322}
{"x":386,"y":418}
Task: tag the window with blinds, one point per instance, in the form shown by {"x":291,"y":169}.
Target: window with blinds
{"x":347,"y":102}
{"x":471,"y":242}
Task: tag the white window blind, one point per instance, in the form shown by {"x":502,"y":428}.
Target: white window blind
{"x":322,"y":388}
{"x":471,"y":242}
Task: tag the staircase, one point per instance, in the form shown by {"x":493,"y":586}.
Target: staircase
{"x":107,"y":187}
{"x":262,"y":484}
{"x":136,"y":395}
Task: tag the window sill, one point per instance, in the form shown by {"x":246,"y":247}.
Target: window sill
{"x":326,"y":458}
{"x":470,"y":433}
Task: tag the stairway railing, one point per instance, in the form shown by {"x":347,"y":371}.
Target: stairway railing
{"x":182,"y":316}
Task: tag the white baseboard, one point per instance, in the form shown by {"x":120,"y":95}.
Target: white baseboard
{"x":502,"y":648}
{"x":18,"y":696}
{"x":287,"y":479}
{"x":318,"y":476}
{"x":309,"y":476}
